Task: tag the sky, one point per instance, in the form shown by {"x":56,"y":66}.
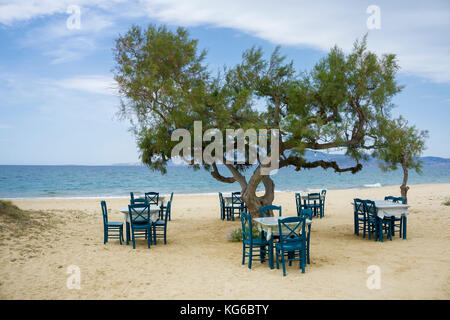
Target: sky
{"x":58,"y":99}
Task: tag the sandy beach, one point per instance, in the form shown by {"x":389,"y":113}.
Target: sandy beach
{"x":200,"y":262}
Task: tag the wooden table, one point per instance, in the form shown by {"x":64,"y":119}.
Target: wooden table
{"x":154,"y":216}
{"x":391,"y":209}
{"x":269,"y":225}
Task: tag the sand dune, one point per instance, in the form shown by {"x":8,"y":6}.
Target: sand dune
{"x":199,"y":262}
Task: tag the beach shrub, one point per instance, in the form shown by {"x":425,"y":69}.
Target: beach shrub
{"x":447,"y":203}
{"x":236,"y":234}
{"x":10,"y":211}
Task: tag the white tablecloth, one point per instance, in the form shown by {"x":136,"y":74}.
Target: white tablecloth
{"x":388,"y":208}
{"x":154,"y":213}
{"x":270,"y":225}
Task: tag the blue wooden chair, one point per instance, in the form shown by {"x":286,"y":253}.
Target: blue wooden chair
{"x":141,"y":225}
{"x":315,"y":204}
{"x":308,"y":214}
{"x":111,"y":230}
{"x":265,"y":211}
{"x":396,"y":222}
{"x":299,"y":204}
{"x":152,"y":197}
{"x":360,"y":217}
{"x":225,"y":211}
{"x":134,"y":200}
{"x":163,"y":207}
{"x":253,"y":248}
{"x":292,"y":245}
{"x":160,"y":226}
{"x":375,"y":224}
{"x":323,"y":194}
{"x":237,"y":204}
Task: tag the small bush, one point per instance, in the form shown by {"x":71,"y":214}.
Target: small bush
{"x":236,"y":234}
{"x":10,"y":211}
{"x":447,"y":203}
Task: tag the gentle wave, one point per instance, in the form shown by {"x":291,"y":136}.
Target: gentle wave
{"x":375,"y":185}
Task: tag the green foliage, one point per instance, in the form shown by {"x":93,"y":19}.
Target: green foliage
{"x":402,"y":145}
{"x":165,"y":85}
{"x":236,"y":234}
{"x":447,"y":203}
{"x":10,"y":211}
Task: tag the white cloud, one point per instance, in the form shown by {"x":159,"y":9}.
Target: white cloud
{"x":416,"y":31}
{"x":97,"y":84}
{"x":21,"y":10}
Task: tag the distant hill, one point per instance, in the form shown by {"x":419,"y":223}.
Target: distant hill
{"x":341,"y":159}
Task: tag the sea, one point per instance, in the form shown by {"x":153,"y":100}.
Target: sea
{"x":72,"y":181}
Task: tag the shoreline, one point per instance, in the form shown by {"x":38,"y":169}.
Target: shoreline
{"x":215,"y":193}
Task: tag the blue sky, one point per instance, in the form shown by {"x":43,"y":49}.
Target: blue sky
{"x":58,"y":101}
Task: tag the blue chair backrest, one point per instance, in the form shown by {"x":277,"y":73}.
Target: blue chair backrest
{"x":313,"y":197}
{"x":171,"y":196}
{"x":104,"y":212}
{"x":139,"y":201}
{"x":291,"y":229}
{"x":247,"y":231}
{"x":305,"y":213}
{"x":370,"y":208}
{"x":264,"y":211}
{"x":324,"y":192}
{"x":400,"y":199}
{"x":131,"y":197}
{"x":139,"y":212}
{"x":298,"y":200}
{"x":359,"y":206}
{"x":167,"y":213}
{"x":221,"y":200}
{"x":152,"y":197}
{"x":236,"y":198}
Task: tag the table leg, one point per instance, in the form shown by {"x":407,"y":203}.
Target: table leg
{"x":271,"y":253}
{"x":127,"y":232}
{"x":404,"y":226}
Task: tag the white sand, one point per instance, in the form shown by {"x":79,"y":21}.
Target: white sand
{"x":200,"y":263}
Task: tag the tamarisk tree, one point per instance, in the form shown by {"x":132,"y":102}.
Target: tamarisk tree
{"x":402,"y":146}
{"x":340,"y":104}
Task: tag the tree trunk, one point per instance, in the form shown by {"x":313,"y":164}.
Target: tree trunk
{"x":404,"y":188}
{"x":253,"y":202}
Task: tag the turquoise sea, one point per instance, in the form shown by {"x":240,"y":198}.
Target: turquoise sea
{"x":118,"y":181}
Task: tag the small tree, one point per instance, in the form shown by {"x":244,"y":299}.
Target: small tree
{"x":340,"y":104}
{"x":402,"y":145}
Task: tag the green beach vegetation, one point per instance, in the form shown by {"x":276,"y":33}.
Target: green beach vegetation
{"x":402,"y":146}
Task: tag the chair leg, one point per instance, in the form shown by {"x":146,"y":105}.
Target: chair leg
{"x":243,"y":253}
{"x":165,"y":235}
{"x":250,"y":257}
{"x":283,"y":263}
{"x":149,"y":238}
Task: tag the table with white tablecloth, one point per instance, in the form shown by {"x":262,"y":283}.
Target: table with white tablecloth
{"x":387,"y":208}
{"x":154,"y":216}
